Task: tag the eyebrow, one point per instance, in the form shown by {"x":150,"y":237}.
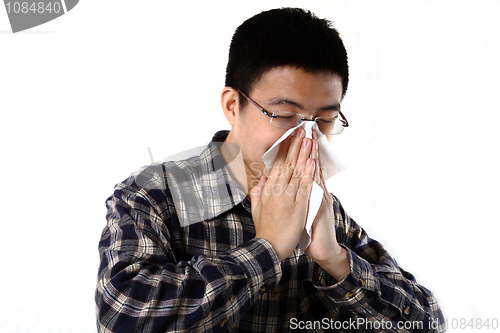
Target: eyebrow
{"x":285,"y":100}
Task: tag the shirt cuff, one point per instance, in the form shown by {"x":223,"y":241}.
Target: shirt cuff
{"x":260,"y":263}
{"x":352,"y":291}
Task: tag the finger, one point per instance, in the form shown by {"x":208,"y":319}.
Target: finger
{"x":287,"y":159}
{"x":317,"y":172}
{"x":300,"y":179}
{"x":322,"y":181}
{"x":305,"y":152}
{"x":304,"y":186}
{"x":315,"y":146}
{"x":278,"y":161}
{"x":315,"y":155}
{"x":256,"y":191}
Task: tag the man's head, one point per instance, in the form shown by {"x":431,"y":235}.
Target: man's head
{"x":279,"y":37}
{"x":284,"y":60}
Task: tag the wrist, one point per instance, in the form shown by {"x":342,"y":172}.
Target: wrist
{"x":338,"y":264}
{"x":274,"y":244}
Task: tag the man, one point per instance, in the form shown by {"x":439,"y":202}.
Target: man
{"x":205,"y":246}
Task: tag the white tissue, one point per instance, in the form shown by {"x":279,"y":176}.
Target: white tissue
{"x":328,"y":162}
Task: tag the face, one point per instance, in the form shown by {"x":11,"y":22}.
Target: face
{"x":280,"y":89}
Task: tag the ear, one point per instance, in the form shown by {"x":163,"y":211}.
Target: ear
{"x":230,"y":105}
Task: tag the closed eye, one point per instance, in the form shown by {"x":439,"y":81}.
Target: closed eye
{"x":284,"y":117}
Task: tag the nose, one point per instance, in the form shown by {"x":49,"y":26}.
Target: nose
{"x":305,"y":119}
{"x":308,"y":128}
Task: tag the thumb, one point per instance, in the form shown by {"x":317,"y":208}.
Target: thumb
{"x":256,"y":190}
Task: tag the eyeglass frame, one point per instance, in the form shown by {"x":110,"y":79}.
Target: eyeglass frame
{"x":343,"y":121}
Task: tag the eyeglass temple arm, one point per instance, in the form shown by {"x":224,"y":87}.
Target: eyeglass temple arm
{"x":346,"y":123}
{"x":256,"y":105}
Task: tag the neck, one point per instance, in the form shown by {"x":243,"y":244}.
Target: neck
{"x":253,"y":169}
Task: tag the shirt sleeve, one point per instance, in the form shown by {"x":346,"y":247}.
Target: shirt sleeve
{"x":377,"y":289}
{"x":142,"y":288}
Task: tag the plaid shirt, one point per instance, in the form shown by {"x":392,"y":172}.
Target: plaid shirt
{"x":157,"y":275}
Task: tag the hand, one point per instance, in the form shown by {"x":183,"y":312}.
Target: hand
{"x":280,"y":202}
{"x":324,"y":248}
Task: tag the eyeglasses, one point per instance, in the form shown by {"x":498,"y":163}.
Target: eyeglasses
{"x":287,"y":120}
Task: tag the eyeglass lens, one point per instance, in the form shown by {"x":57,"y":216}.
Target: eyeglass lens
{"x":287,"y":120}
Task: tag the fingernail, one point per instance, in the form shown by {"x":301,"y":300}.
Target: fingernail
{"x":287,"y":139}
{"x":304,"y":142}
{"x":310,"y":162}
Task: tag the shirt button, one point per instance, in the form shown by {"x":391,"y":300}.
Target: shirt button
{"x":406,"y":310}
{"x":262,"y":289}
{"x":222,"y":322}
{"x":350,"y":294}
{"x":362,"y":282}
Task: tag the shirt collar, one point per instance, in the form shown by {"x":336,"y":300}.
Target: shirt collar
{"x":203,"y":187}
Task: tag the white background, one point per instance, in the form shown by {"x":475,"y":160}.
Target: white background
{"x":83,"y":96}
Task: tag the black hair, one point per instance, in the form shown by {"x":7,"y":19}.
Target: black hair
{"x":284,"y":36}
